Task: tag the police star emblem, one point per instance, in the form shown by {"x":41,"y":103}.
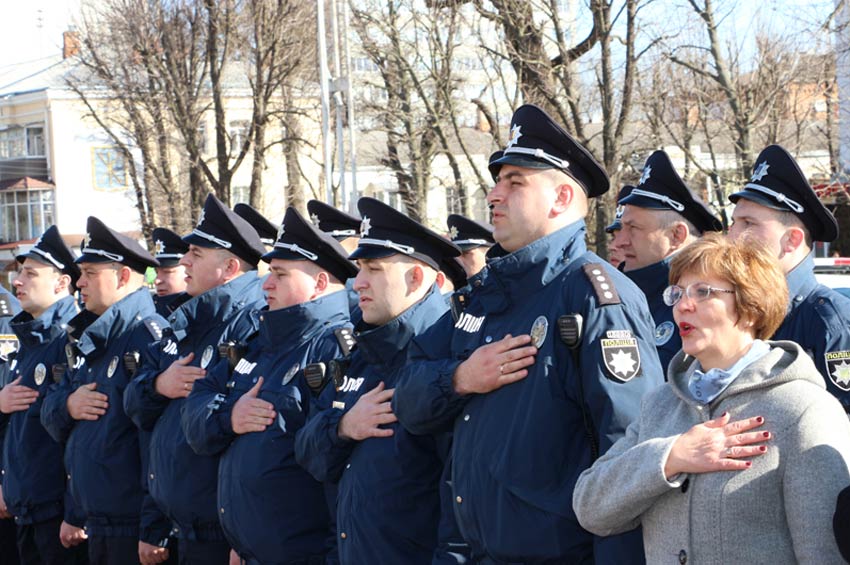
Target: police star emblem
{"x":159,"y":247}
{"x":620,"y":355}
{"x":365,"y":226}
{"x":201,"y":217}
{"x":87,"y":240}
{"x":838,"y":367}
{"x":453,"y":233}
{"x":539,"y":329}
{"x":8,"y":345}
{"x":281,"y":230}
{"x":113,"y":365}
{"x":647,"y":171}
{"x":39,"y":374}
{"x":515,"y":135}
{"x":206,"y":357}
{"x":760,"y":172}
{"x":314,"y":219}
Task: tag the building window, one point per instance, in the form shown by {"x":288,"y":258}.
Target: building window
{"x":25,"y":214}
{"x":238,"y":133}
{"x":35,"y":142}
{"x":109,"y":168}
{"x":20,"y":142}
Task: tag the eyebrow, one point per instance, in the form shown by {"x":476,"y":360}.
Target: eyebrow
{"x":511,"y":174}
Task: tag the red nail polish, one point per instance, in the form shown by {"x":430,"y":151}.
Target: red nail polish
{"x":724,"y":414}
{"x":762,"y":448}
{"x":766,"y":434}
{"x":759,"y":419}
{"x":748,"y":464}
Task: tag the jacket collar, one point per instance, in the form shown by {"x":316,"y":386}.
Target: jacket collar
{"x":217,"y":304}
{"x":52,"y":322}
{"x":801,"y":281}
{"x":385,"y":345}
{"x":94,"y":333}
{"x":288,"y":328}
{"x":652,"y":279}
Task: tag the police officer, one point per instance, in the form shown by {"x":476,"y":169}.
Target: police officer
{"x":662,"y":215}
{"x":265,"y":229}
{"x":170,"y":282}
{"x":336,"y":223}
{"x":9,"y":306}
{"x":778,"y":208}
{"x":615,"y":253}
{"x":545,"y":367}
{"x":389,"y":480}
{"x":104,"y":453}
{"x":222,"y":281}
{"x":473,"y":238}
{"x":248,"y":410}
{"x":33,"y":481}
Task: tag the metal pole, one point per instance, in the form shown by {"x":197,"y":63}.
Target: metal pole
{"x":351,"y":125}
{"x":324,"y":85}
{"x":338,"y":104}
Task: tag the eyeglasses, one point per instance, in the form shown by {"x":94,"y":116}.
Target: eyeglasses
{"x":698,"y":292}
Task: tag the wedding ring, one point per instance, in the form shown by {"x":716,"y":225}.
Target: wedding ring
{"x":501,"y":369}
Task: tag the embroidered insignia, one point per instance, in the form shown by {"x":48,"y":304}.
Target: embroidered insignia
{"x":207,"y":356}
{"x":469,"y":323}
{"x":113,"y":365}
{"x":290,"y":374}
{"x":647,"y":171}
{"x":314,"y":219}
{"x":244,"y":367}
{"x":539,"y":329}
{"x":761,"y":171}
{"x":160,"y":247}
{"x":663,"y":332}
{"x":170,"y":347}
{"x":201,"y":218}
{"x":39,"y":374}
{"x":8,"y":345}
{"x":515,"y":135}
{"x":87,"y":240}
{"x":621,"y":355}
{"x":838,"y":367}
{"x":365,"y":226}
{"x":453,"y":233}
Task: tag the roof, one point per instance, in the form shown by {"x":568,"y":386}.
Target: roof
{"x":25,"y":183}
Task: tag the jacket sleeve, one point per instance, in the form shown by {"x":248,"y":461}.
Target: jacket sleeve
{"x":451,"y":547}
{"x":154,"y":526}
{"x":205,"y":415}
{"x":816,"y":470}
{"x":318,"y":447}
{"x":424,"y":400}
{"x":54,"y":409}
{"x":142,"y":403}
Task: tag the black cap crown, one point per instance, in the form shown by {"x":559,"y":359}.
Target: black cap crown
{"x":334,"y":222}
{"x":454,"y":271}
{"x":469,"y":234}
{"x":385,"y":231}
{"x":51,"y":250}
{"x":221,"y":228}
{"x":265,"y":229}
{"x":537,"y":142}
{"x":617,"y":224}
{"x":661,"y":188}
{"x":168,"y":247}
{"x":102,"y":245}
{"x":300,"y":240}
{"x":778,"y":183}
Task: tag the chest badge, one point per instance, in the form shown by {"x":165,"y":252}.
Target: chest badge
{"x":539,"y":329}
{"x":207,"y":356}
{"x":290,"y":374}
{"x":113,"y":365}
{"x":39,"y":374}
{"x":663,"y":332}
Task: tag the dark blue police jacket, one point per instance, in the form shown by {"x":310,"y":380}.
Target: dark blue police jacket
{"x":166,"y":305}
{"x":518,"y":450}
{"x":33,"y":477}
{"x":818,"y":319}
{"x":271,"y":509}
{"x":652,"y":280}
{"x":183,"y":483}
{"x":106,"y":458}
{"x":388,"y":505}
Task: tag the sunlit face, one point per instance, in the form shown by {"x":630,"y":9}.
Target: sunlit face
{"x":383,"y":287}
{"x":205,"y":269}
{"x":290,"y":283}
{"x":170,"y":280}
{"x":473,"y":260}
{"x":522,"y":201}
{"x":615,"y":249}
{"x":642,"y":241}
{"x":710,"y":330}
{"x":37,"y":286}
{"x":759,"y":223}
{"x":99,"y":285}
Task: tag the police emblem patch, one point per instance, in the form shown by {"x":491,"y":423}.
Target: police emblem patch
{"x":621,"y":355}
{"x":39,"y":374}
{"x":539,"y":329}
{"x":663,"y":332}
{"x":838,"y":367}
{"x":8,"y":345}
{"x":113,"y":365}
{"x":290,"y":374}
{"x":206,"y":357}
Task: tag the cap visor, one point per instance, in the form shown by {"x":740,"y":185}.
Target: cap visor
{"x":758,"y":198}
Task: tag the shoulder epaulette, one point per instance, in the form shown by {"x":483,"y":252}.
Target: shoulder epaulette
{"x":606,"y":292}
{"x":5,"y":308}
{"x":345,"y":337}
{"x":154,"y":327}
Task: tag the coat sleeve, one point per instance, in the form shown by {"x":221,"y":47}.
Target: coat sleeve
{"x":54,"y":409}
{"x":205,"y":415}
{"x":142,"y":403}
{"x":425,"y":401}
{"x":816,"y":471}
{"x":318,"y":447}
{"x":154,"y":525}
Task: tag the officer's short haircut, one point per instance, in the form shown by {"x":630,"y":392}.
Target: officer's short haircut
{"x":666,"y":219}
{"x":749,"y":268}
{"x":792,"y":220}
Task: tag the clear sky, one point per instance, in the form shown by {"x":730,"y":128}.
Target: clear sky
{"x":33,"y":29}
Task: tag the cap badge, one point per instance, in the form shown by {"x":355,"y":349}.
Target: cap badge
{"x":87,"y":240}
{"x":760,"y":172}
{"x":314,"y":219}
{"x":453,"y":233}
{"x":515,"y":135}
{"x":160,"y":247}
{"x":201,"y":218}
{"x":647,"y":170}
{"x":365,"y":226}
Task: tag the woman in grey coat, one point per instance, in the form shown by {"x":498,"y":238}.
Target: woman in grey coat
{"x":739,"y":458}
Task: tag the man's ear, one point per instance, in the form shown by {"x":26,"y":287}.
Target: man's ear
{"x":794,"y":237}
{"x":679,"y":235}
{"x":415,"y":277}
{"x":322,"y":282}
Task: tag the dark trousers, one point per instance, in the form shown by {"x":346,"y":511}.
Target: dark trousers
{"x":204,"y":553}
{"x":38,"y":544}
{"x":8,"y":545}
{"x":113,"y":551}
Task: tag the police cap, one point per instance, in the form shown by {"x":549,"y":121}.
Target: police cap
{"x":469,"y":234}
{"x":299,"y":240}
{"x":334,"y":222}
{"x":385,"y":231}
{"x":51,"y":250}
{"x":265,"y":229}
{"x":661,"y":188}
{"x":778,"y":183}
{"x":618,"y":216}
{"x":455,"y":272}
{"x":169,"y":247}
{"x":538,"y":142}
{"x":221,"y":228}
{"x":102,"y":245}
